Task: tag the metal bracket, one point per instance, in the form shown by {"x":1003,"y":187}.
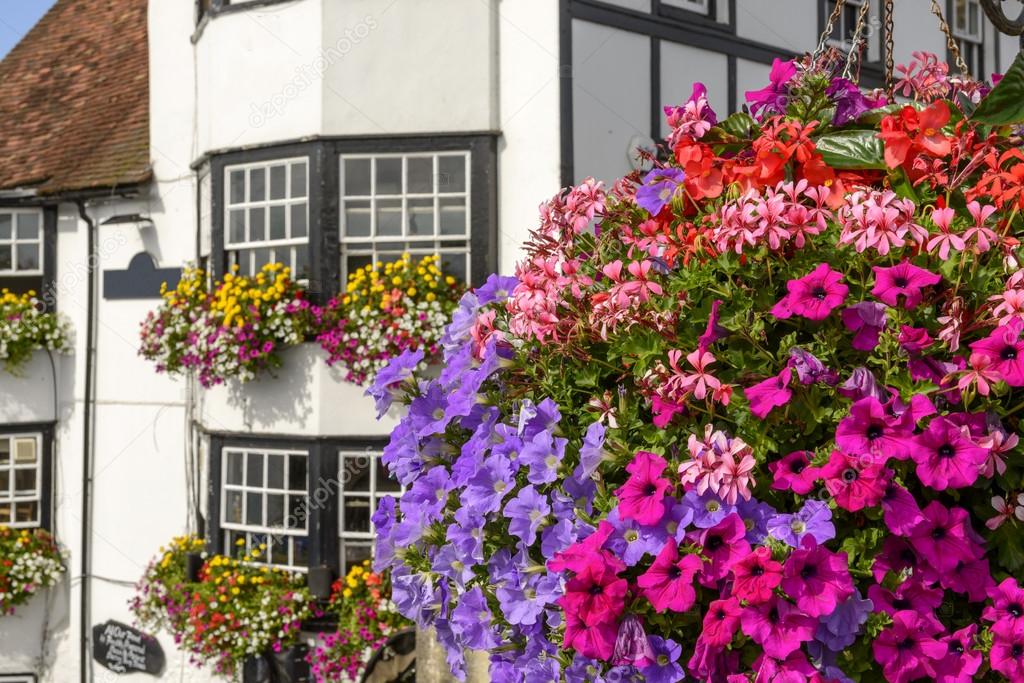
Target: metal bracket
{"x":1011,"y":27}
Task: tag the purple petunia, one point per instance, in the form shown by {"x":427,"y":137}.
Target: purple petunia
{"x":659,"y":187}
{"x":814,"y":519}
{"x":526,"y":513}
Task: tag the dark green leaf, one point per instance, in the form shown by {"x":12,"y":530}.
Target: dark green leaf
{"x":736,"y":125}
{"x":858,"y":149}
{"x":1005,"y":104}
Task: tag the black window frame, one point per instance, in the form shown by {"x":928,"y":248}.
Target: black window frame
{"x":324,"y":197}
{"x":45,"y":430}
{"x":965,"y":44}
{"x":323,"y":516}
{"x":44,"y":285}
{"x":872,"y":71}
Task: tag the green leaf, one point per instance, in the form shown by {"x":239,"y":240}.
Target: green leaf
{"x":736,"y":125}
{"x":1005,"y":104}
{"x":852,"y":149}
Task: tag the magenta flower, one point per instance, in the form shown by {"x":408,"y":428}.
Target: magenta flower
{"x":1007,"y":604}
{"x":721,"y":621}
{"x":942,"y":537}
{"x":866,"y":320}
{"x":1004,"y":351}
{"x":908,"y":649}
{"x":773,"y":98}
{"x":904,"y":280}
{"x":814,"y":296}
{"x":771,"y":393}
{"x":794,"y":473}
{"x":778,"y":627}
{"x":668,"y":584}
{"x":816,"y":578}
{"x":899,"y":509}
{"x":855,"y":482}
{"x":756,"y":576}
{"x":642,"y":497}
{"x":945,"y":457}
{"x":724,"y":544}
{"x":869,"y":430}
{"x":912,"y":594}
{"x":1007,"y":655}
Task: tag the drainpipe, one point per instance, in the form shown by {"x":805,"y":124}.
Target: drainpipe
{"x":88,"y":442}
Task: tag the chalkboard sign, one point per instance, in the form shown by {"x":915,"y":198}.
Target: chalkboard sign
{"x":125,"y":650}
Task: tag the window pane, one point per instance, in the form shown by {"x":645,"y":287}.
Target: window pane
{"x":25,"y":452}
{"x":275,"y":471}
{"x":299,"y":220}
{"x":353,"y":554}
{"x":357,"y":218}
{"x":237,"y":187}
{"x":233,"y":507}
{"x":357,"y":177}
{"x":254,"y":469}
{"x":420,"y":172}
{"x":300,"y":552}
{"x":278,"y":229}
{"x":455,"y":265}
{"x":28,"y":226}
{"x":5,"y":451}
{"x":297,"y":473}
{"x":237,"y":228}
{"x":28,"y":256}
{"x":275,"y":510}
{"x":389,"y":217}
{"x":257,"y":184}
{"x":278,"y":551}
{"x":5,"y":513}
{"x":453,"y":215}
{"x":254,"y":509}
{"x":260,"y":258}
{"x":5,"y":483}
{"x":5,"y":257}
{"x":299,"y":179}
{"x":6,"y":220}
{"x":26,"y":513}
{"x":25,"y":481}
{"x":355,"y":473}
{"x":300,"y":262}
{"x":234,"y":468}
{"x":389,"y":176}
{"x":421,"y":216}
{"x":354,"y":263}
{"x":278,"y":182}
{"x":257,"y":225}
{"x":297,"y":512}
{"x":385,"y":484}
{"x":451,"y":174}
{"x":357,"y":515}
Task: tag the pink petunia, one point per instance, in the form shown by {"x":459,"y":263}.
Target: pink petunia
{"x":641,"y":497}
{"x":814,"y":296}
{"x":944,"y":537}
{"x":778,"y":627}
{"x":772,"y":393}
{"x":721,"y":621}
{"x":866,"y":320}
{"x":870,"y":430}
{"x":855,"y":482}
{"x":724,"y":544}
{"x":817,"y":578}
{"x":756,"y":576}
{"x":1007,"y":655}
{"x":794,"y":473}
{"x":963,"y":658}
{"x":909,"y":648}
{"x":668,"y":583}
{"x":945,"y":457}
{"x":900,"y":511}
{"x":903,"y":280}
{"x":1004,"y":350}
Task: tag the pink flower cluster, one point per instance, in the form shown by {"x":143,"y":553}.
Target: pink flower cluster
{"x":788,"y":212}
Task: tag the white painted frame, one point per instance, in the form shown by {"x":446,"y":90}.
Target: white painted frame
{"x":359,"y":539}
{"x":13,"y":241}
{"x":10,"y":496}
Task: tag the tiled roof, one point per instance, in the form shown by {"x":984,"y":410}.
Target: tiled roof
{"x":74,"y":100}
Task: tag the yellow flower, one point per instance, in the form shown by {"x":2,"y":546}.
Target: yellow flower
{"x":347,"y":593}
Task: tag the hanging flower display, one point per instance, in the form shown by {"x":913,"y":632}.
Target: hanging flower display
{"x":29,"y":561}
{"x":361,"y":602}
{"x":235,"y":610}
{"x":386,"y":310}
{"x":25,"y":327}
{"x":234,"y":329}
{"x":751,"y":416}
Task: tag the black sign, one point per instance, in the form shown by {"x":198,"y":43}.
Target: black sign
{"x":125,"y":650}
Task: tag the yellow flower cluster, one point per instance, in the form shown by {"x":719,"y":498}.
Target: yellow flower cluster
{"x":381,"y":286}
{"x":232,"y":296}
{"x":9,"y":298}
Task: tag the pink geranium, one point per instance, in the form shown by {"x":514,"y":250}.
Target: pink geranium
{"x":668,"y":584}
{"x":814,"y":296}
{"x":641,"y":497}
{"x":903,"y":280}
{"x":946,"y":240}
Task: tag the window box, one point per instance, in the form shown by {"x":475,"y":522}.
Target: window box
{"x":304,"y":397}
{"x":29,"y":396}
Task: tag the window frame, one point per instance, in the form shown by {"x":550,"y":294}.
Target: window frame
{"x":968,"y":43}
{"x":42,"y":280}
{"x":44,"y":431}
{"x":14,"y":241}
{"x":323,"y":514}
{"x":372,"y":494}
{"x":324,"y":197}
{"x":18,"y":678}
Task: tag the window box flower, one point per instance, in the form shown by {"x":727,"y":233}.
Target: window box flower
{"x":29,"y":562}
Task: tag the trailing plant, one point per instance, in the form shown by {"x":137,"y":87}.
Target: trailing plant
{"x":386,"y":310}
{"x":235,"y":610}
{"x":361,"y":602}
{"x":29,"y":561}
{"x":235,"y":328}
{"x":751,"y":415}
{"x":26,"y":327}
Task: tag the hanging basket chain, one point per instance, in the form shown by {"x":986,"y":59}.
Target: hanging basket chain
{"x":830,"y":26}
{"x":853,"y":57}
{"x":951,"y":43}
{"x":890,"y":84}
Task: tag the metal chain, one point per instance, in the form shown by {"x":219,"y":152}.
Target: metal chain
{"x":954,"y":47}
{"x":853,"y":57}
{"x":830,"y":26}
{"x":890,"y":85}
